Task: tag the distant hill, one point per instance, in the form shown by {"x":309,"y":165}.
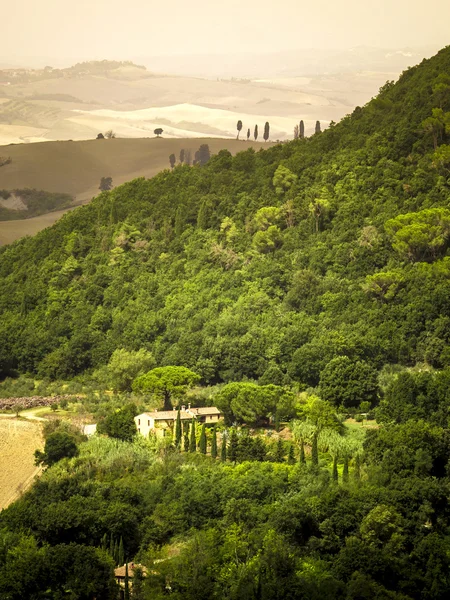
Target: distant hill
{"x":76,"y":168}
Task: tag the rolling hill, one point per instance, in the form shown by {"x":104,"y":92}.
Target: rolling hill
{"x":76,"y":168}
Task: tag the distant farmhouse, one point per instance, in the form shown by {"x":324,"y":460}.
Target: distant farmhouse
{"x":160,"y":421}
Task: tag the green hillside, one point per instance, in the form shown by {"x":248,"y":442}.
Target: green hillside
{"x":313,"y":279}
{"x":277,"y":260}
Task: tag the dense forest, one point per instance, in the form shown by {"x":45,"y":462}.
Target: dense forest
{"x":320,"y":269}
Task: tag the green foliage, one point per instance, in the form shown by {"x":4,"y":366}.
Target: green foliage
{"x":124,"y":367}
{"x":347,"y":383}
{"x":202,"y":443}
{"x":167,"y":382}
{"x":193,"y":438}
{"x":58,"y":445}
{"x":214,"y":443}
{"x":120,"y":423}
{"x":420,"y":236}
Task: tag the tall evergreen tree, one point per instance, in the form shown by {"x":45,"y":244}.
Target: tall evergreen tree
{"x":127,"y":583}
{"x":172,"y":160}
{"x":111,"y":546}
{"x":266,"y":131}
{"x":248,"y":134}
{"x":202,"y":442}
{"x":279,"y":453}
{"x":104,"y":543}
{"x":315,"y":451}
{"x":223,"y":452}
{"x":121,"y":553}
{"x":116,"y":553}
{"x":182,"y":155}
{"x":186,"y":436}
{"x":255,"y":134}
{"x":335,"y":474}
{"x":233,"y":446}
{"x":357,"y":473}
{"x":214,"y":443}
{"x":301,"y":130}
{"x":345,"y":471}
{"x":192,"y":440}
{"x":318,"y":129}
{"x":302,"y":458}
{"x":178,"y":433}
{"x":238,"y":127}
{"x":291,"y":456}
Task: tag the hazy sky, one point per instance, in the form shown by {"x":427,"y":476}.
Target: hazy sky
{"x":133,"y":28}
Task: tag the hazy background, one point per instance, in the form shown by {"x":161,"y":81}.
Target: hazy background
{"x":60,"y":32}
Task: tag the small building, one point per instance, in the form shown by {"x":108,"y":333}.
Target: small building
{"x":160,"y":421}
{"x":120,"y":573}
{"x":90,"y":429}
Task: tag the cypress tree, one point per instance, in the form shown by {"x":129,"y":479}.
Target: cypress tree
{"x":178,"y":429}
{"x":202,"y":443}
{"x":182,"y":155}
{"x":266,"y":131}
{"x":104,"y":542}
{"x":315,"y":451}
{"x":255,"y":134}
{"x":223,"y":452}
{"x":127,"y":584}
{"x":192,"y":441}
{"x":186,"y":436}
{"x":301,"y":131}
{"x":121,"y":552}
{"x":357,"y":473}
{"x":335,"y":468}
{"x":202,"y":217}
{"x":248,"y":134}
{"x":345,"y":471}
{"x":233,"y":447}
{"x":291,"y":457}
{"x":279,"y":453}
{"x":302,"y":459}
{"x":214,"y":443}
{"x":238,"y":127}
{"x":116,"y":553}
{"x":111,"y":546}
{"x":318,"y":130}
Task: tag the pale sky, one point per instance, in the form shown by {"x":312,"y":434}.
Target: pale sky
{"x":124,"y":29}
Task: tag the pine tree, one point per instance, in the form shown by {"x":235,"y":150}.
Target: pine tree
{"x":255,"y":134}
{"x":301,"y":131}
{"x":302,"y":459}
{"x":279,"y":453}
{"x":335,"y":468}
{"x":202,"y":442}
{"x":266,"y":131}
{"x":127,"y":584}
{"x":318,"y":130}
{"x":192,"y":440}
{"x":291,"y":456}
{"x":214,"y":443}
{"x":315,"y":451}
{"x":233,"y":447}
{"x":345,"y":471}
{"x":121,"y":555}
{"x":223,"y":452}
{"x":178,"y":429}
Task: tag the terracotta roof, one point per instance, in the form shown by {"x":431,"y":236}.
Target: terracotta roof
{"x":206,"y":410}
{"x":120,"y":571}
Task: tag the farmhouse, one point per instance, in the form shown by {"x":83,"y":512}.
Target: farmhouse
{"x":160,"y":421}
